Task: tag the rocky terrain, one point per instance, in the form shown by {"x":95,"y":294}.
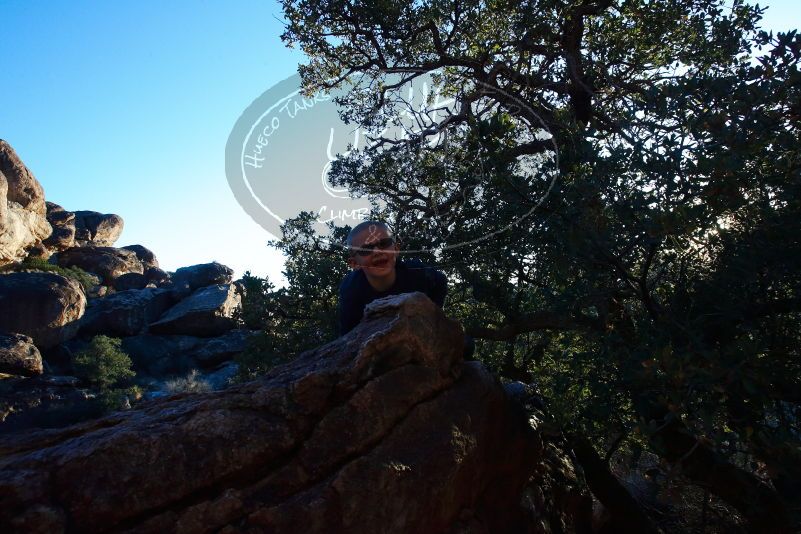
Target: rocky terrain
{"x":384,"y":430}
{"x":170,"y":323}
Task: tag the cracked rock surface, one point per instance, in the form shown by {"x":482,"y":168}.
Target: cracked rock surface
{"x":383,"y":430}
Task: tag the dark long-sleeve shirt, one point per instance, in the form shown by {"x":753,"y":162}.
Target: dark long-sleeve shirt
{"x":355,"y":292}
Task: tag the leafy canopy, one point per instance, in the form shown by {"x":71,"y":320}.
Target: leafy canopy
{"x":643,"y":157}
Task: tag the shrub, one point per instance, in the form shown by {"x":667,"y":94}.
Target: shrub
{"x":86,"y":280}
{"x":191,"y":383}
{"x":103,"y":364}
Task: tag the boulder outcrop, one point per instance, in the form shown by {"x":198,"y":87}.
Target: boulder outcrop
{"x":208,"y":312}
{"x":202,"y":275}
{"x":158,"y":356}
{"x":63,"y":223}
{"x":156,"y":276}
{"x":383,"y":430}
{"x":106,"y":262}
{"x":125,"y":313}
{"x":44,"y":306}
{"x":97,"y":229}
{"x":145,"y":255}
{"x":19,"y":356}
{"x":38,"y":402}
{"x":23,"y":215}
{"x":217,"y":350}
{"x":23,"y":187}
{"x":127,"y":281}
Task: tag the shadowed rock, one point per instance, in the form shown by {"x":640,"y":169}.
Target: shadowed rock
{"x":45,"y":306}
{"x":127,"y":281}
{"x":19,"y":356}
{"x":207,"y":312}
{"x":202,"y":275}
{"x":158,"y":356}
{"x":126,"y":313}
{"x":157,"y":276}
{"x":384,"y":430}
{"x":63,"y":223}
{"x":106,"y":262}
{"x":145,"y":255}
{"x":97,"y":229}
{"x":219,"y":349}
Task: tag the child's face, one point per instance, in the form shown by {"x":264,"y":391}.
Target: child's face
{"x":381,"y":261}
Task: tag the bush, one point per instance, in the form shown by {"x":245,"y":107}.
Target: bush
{"x":191,"y":383}
{"x":86,"y":280}
{"x":103,"y":364}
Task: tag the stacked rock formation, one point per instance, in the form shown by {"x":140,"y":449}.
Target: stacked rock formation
{"x":171,"y":324}
{"x":23,"y":214}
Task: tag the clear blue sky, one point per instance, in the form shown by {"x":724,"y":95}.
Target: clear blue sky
{"x":125,"y":107}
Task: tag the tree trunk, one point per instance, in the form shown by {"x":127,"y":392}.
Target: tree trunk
{"x":627,"y":514}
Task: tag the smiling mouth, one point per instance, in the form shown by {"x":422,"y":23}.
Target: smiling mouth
{"x":380,"y":263}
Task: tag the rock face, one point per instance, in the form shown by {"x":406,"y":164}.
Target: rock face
{"x":106,"y":262}
{"x":19,"y":356}
{"x":158,"y":356}
{"x":23,"y":187}
{"x":126,"y":313}
{"x":26,"y":402}
{"x":44,"y":306}
{"x":97,"y":229}
{"x":219,"y":349}
{"x":156,"y":276}
{"x":63,"y":223}
{"x":202,"y":275}
{"x":23,"y":215}
{"x":128,"y":281}
{"x":207,"y":312}
{"x":384,"y":430}
{"x":145,"y":255}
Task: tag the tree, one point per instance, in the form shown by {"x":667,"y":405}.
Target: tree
{"x":302,"y":315}
{"x":651,"y":284}
{"x":103,"y":364}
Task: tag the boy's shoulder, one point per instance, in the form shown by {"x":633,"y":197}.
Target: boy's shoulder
{"x":417,"y":270}
{"x":353,"y":281}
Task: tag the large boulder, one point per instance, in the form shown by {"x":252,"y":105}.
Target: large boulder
{"x":159,"y":356}
{"x":44,"y":306}
{"x":383,"y":430}
{"x":63,"y":223}
{"x":106,"y":262}
{"x":156,"y":276}
{"x":97,"y":229}
{"x":145,"y":255}
{"x":23,"y":215}
{"x":208,"y":312}
{"x":214,"y":351}
{"x":38,"y":402}
{"x":19,"y":356}
{"x":202,"y":275}
{"x":23,"y":187}
{"x":125,"y":313}
{"x":128,"y":281}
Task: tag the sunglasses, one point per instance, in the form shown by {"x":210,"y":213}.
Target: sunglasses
{"x":366,"y":250}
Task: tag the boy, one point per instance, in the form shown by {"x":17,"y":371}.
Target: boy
{"x":377,"y":273}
